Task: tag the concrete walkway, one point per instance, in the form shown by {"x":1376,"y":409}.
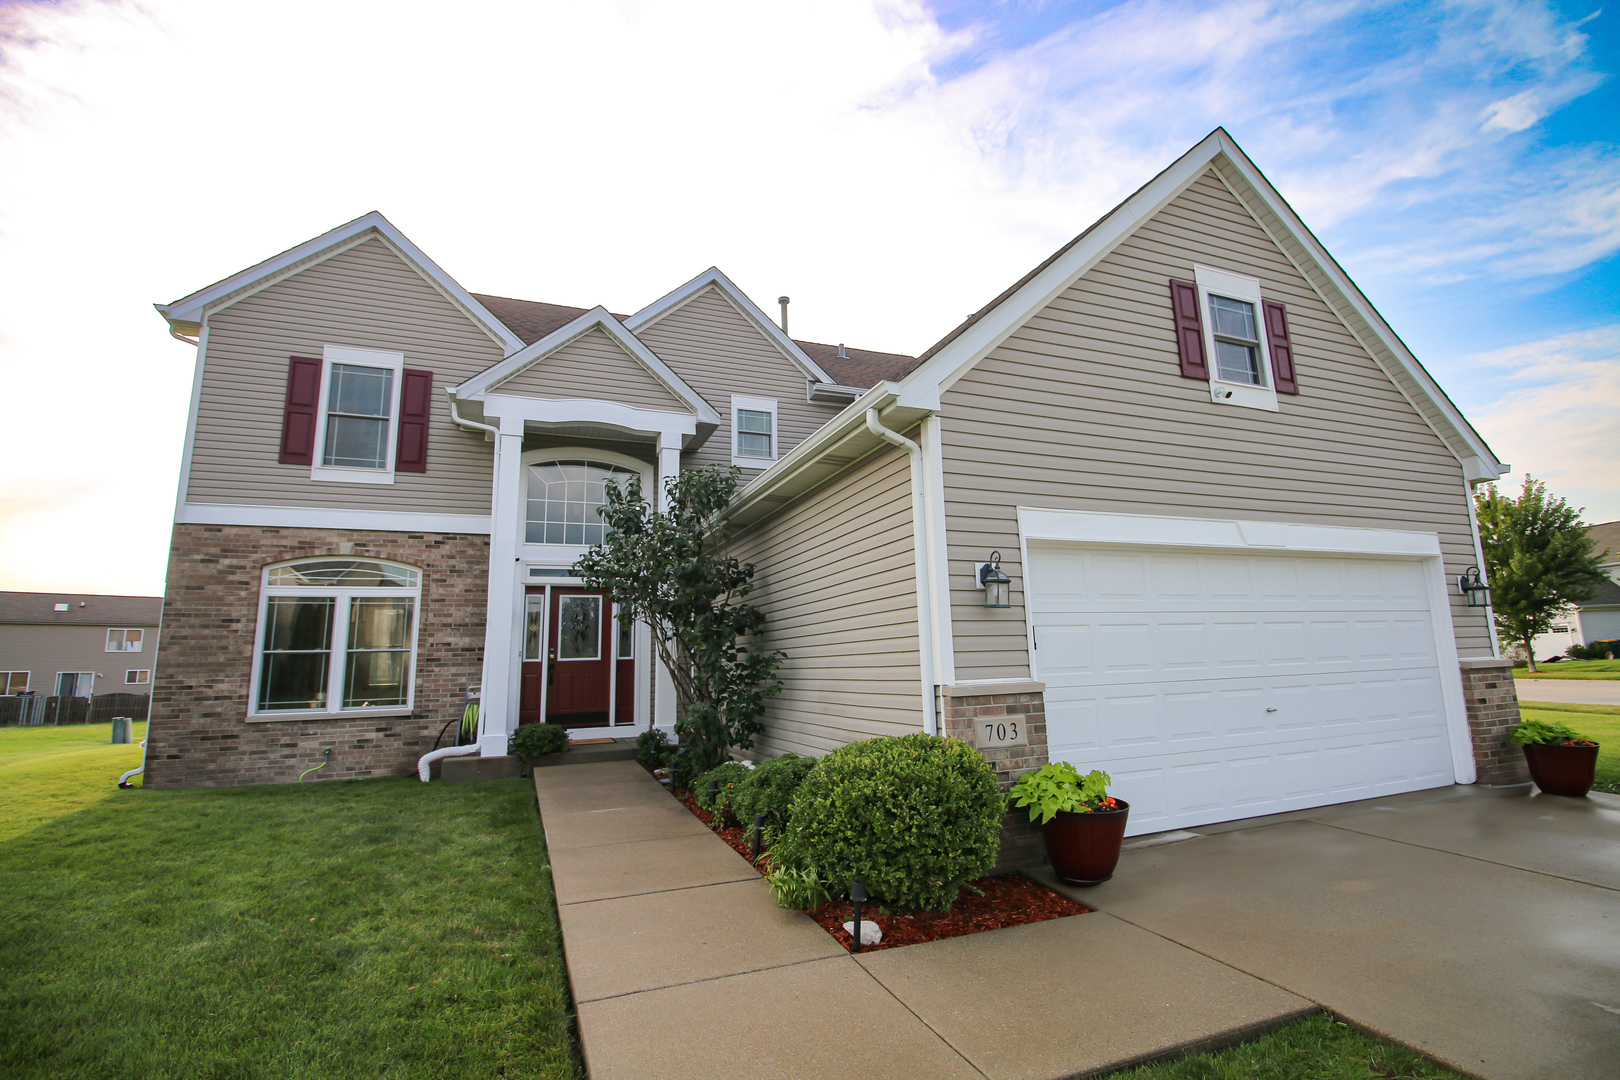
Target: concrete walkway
{"x":1481,"y":926}
{"x":1570,"y":691}
{"x":683,"y":967}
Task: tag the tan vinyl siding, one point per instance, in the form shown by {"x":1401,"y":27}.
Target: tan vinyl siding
{"x":834,"y":574}
{"x":593,"y":365}
{"x":46,"y":651}
{"x":367,"y":297}
{"x":712,"y":345}
{"x":1084,"y":408}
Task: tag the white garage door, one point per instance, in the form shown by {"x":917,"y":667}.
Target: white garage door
{"x":1216,"y":686}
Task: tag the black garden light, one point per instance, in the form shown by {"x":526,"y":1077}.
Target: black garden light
{"x":996,"y":585}
{"x":759,"y":823}
{"x":857,"y":893}
{"x":1475,"y":591}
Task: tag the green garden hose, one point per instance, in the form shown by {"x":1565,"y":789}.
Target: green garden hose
{"x":324,"y":759}
{"x":469,"y":722}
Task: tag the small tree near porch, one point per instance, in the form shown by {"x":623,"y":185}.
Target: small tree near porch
{"x":667,"y":568}
{"x":1538,"y":557}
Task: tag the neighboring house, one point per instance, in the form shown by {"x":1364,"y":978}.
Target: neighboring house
{"x":1597,"y":619}
{"x":1231,"y":505}
{"x":77,"y":644}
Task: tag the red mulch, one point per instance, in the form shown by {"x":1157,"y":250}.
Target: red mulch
{"x":1008,"y":900}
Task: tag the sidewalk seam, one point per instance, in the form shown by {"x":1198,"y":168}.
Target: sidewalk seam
{"x":902,"y":1003}
{"x":655,"y":892}
{"x":1461,"y":855}
{"x":709,"y":979}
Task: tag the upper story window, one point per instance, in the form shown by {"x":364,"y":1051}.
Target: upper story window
{"x":564,"y":497}
{"x":357,"y":423}
{"x":125,"y":640}
{"x":336,"y":635}
{"x":1235,"y":339}
{"x":753,"y":431}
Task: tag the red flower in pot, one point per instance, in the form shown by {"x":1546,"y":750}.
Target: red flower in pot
{"x":1083,"y":826}
{"x":1561,"y":762}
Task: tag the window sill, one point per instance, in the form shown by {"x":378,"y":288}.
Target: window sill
{"x":347,"y":714}
{"x":1243,"y":396}
{"x":753,"y":462}
{"x":334,"y":473}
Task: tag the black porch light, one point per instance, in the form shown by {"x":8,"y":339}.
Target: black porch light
{"x":1475,"y":591}
{"x":996,"y":585}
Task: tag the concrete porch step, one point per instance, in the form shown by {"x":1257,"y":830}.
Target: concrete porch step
{"x":466,"y":770}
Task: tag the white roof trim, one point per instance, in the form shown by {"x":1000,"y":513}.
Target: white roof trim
{"x":762,"y":322}
{"x":191,"y":309}
{"x":922,"y":386}
{"x":479,"y":385}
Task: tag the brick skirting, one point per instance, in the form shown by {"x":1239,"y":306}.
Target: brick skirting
{"x":199,"y":735}
{"x":1493,"y":710}
{"x":962,"y":707}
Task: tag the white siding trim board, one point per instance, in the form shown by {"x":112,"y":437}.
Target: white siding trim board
{"x":310,"y":517}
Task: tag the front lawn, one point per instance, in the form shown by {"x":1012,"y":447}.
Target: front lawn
{"x":1598,"y":722}
{"x":1572,"y":669}
{"x":1315,"y":1048}
{"x":330,"y":929}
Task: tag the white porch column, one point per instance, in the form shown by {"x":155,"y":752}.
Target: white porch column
{"x":503,"y":622}
{"x":669,"y":464}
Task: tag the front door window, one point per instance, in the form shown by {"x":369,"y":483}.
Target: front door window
{"x":580,"y":636}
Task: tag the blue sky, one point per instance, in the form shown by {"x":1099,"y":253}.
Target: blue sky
{"x":888,"y":163}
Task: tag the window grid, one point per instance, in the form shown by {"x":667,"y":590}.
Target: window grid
{"x":564,"y":497}
{"x":753,"y":433}
{"x":1237,"y":340}
{"x":357,"y":415}
{"x":125,"y":640}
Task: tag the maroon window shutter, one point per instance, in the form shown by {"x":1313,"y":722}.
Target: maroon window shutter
{"x":298,"y":416}
{"x":415,"y":403}
{"x":1282,"y":350}
{"x":1189,"y":329}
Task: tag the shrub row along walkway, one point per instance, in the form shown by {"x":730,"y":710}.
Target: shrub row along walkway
{"x":683,"y":967}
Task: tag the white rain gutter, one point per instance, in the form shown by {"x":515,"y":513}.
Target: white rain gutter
{"x":922,"y":530}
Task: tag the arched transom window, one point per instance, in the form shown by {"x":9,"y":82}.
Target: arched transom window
{"x":563,"y":500}
{"x":336,"y":635}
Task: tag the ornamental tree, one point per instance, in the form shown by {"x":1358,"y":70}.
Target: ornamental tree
{"x":1538,"y":557}
{"x":668,"y":569}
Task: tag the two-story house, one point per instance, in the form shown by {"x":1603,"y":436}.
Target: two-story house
{"x":1178,"y":497}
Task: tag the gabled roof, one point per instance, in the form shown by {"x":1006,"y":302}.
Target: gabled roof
{"x":762,"y":322}
{"x":1605,"y":537}
{"x":187,"y":312}
{"x":84,"y":609}
{"x":955,"y":353}
{"x":598,"y":317}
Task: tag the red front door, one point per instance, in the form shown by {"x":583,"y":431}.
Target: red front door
{"x":579,"y":658}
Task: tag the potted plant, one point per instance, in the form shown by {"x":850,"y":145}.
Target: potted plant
{"x":1561,"y":762}
{"x":1084,"y":827}
{"x":533,"y":742}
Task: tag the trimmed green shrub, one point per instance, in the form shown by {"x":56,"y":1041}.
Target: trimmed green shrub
{"x":652,"y":748}
{"x":768,"y":789}
{"x":727,"y":776}
{"x":1596,"y":650}
{"x":533,"y":740}
{"x":913,"y":817}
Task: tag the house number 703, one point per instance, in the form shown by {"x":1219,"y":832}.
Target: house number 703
{"x":1001,"y":733}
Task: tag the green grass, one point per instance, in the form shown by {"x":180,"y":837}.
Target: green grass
{"x":50,"y":772}
{"x":1598,"y":722}
{"x":376,"y":928}
{"x":1315,"y":1048}
{"x":1572,"y":669}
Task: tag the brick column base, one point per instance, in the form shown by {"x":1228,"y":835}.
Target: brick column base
{"x":964,"y":705}
{"x":1493,"y":711}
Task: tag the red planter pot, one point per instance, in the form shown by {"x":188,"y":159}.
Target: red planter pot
{"x":1562,"y":770}
{"x":1084,"y":848}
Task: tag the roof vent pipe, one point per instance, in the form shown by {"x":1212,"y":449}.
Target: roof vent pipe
{"x":842,"y":355}
{"x":784,"y":301}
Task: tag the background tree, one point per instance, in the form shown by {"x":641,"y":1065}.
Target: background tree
{"x":668,"y":569}
{"x":1538,"y":557}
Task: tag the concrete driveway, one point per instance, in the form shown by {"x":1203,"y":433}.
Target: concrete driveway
{"x":1566,"y":691}
{"x":1480,"y":926}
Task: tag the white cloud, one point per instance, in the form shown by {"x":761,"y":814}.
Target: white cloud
{"x":1562,"y":423}
{"x":1514,"y":113}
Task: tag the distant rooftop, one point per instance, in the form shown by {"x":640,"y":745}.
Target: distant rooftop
{"x":83,"y":609}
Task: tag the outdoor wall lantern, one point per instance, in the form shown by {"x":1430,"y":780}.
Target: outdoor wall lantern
{"x":1476,"y":591}
{"x":994,"y":583}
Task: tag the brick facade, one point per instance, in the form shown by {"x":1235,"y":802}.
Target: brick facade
{"x":962,"y":706}
{"x":1493,"y":711}
{"x":199,"y":735}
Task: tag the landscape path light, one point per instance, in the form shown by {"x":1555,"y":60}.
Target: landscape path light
{"x":857,"y":893}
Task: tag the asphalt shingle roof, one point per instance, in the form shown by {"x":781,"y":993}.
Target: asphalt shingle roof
{"x":84,"y":609}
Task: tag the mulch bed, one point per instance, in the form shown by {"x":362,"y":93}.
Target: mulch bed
{"x":1008,"y":900}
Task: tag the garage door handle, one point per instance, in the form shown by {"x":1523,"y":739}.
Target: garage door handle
{"x":1271,"y":710}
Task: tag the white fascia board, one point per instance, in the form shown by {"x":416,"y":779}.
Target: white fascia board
{"x":762,"y":322}
{"x":314,"y":517}
{"x":479,"y":385}
{"x":1147,"y":530}
{"x":191,"y":309}
{"x":671,"y":427}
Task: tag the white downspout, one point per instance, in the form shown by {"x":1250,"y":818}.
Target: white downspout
{"x":921,"y":536}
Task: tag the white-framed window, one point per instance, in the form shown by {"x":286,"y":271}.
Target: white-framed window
{"x":1235,"y":339}
{"x":75,"y":683}
{"x":137,"y":676}
{"x":336,"y":636}
{"x":125,"y":640}
{"x":13,"y":682}
{"x":563,"y":499}
{"x":357,"y":427}
{"x":753,"y":431}
{"x":625,"y":649}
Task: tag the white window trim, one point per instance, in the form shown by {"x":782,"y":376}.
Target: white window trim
{"x":567,"y":554}
{"x":58,"y":682}
{"x":343,"y":354}
{"x":339,"y":643}
{"x":111,"y":630}
{"x":740,"y":402}
{"x":1238,"y":287}
{"x":5,"y":681}
{"x":138,"y":671}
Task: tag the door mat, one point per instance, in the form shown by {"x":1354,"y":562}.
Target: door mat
{"x":589,"y":742}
